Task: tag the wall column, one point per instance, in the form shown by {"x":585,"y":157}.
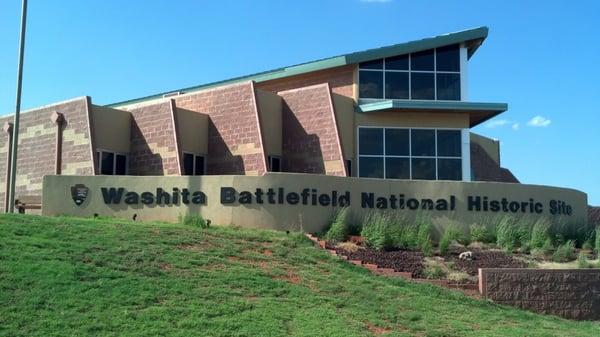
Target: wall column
{"x":8,"y":128}
{"x":58,"y":119}
{"x":465,"y":135}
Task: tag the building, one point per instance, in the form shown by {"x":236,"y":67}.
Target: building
{"x":396,"y":112}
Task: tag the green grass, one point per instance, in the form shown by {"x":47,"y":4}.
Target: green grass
{"x":85,"y":277}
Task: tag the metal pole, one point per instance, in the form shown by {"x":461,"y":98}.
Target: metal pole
{"x":15,"y":140}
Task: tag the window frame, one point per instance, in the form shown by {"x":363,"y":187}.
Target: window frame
{"x":384,"y":156}
{"x":99,"y":153}
{"x":383,"y":70}
{"x":194,"y":155}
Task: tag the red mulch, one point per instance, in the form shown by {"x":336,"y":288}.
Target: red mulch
{"x":483,"y":259}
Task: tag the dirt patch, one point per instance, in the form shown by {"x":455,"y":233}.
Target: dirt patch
{"x":165,"y":266}
{"x":195,"y":247}
{"x":267,"y":252}
{"x":377,"y":330}
{"x":399,"y":260}
{"x":484,"y":259}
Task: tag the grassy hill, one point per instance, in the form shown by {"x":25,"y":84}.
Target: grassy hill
{"x":84,"y":277}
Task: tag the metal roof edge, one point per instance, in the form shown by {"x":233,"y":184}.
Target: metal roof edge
{"x":441,"y":105}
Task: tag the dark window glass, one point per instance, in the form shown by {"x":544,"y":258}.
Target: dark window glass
{"x":423,"y":142}
{"x":422,"y":60}
{"x":274,"y":164}
{"x":370,"y":141}
{"x":397,"y":168}
{"x":199,"y":166}
{"x":377,"y":64}
{"x":121,"y":164}
{"x":188,"y":164}
{"x":371,"y":84}
{"x":371,"y":167}
{"x":422,"y":86}
{"x":448,"y":58}
{"x":397,"y":62}
{"x":423,"y":168}
{"x":448,"y":143}
{"x":448,"y":87}
{"x":396,"y":85}
{"x":449,"y":169}
{"x":396,"y":142}
{"x":107,"y":163}
{"x":349,"y":167}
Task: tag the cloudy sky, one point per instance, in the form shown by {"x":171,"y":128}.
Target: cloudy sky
{"x":540,"y":57}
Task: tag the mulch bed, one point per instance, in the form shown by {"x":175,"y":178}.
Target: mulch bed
{"x":399,"y":260}
{"x":483,"y":259}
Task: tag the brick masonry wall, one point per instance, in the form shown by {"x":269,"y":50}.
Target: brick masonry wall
{"x":340,"y":80}
{"x":235,"y":144}
{"x":154,"y":148}
{"x":594,"y":215}
{"x":569,"y":293}
{"x":37,"y":141}
{"x":311,"y":142}
{"x":486,"y":169}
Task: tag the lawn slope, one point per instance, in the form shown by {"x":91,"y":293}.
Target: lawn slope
{"x":84,"y":277}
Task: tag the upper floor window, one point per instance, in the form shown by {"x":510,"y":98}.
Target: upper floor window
{"x":426,"y":75}
{"x":400,"y":153}
{"x":193,"y":165}
{"x":111,"y":163}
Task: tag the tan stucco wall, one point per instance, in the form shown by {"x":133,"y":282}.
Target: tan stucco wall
{"x":57,"y":199}
{"x":269,"y":110}
{"x":111,"y":129}
{"x":413,"y":119}
{"x":490,"y":146}
{"x":344,"y":114}
{"x":192,"y":129}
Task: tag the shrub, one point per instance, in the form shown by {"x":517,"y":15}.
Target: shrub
{"x":508,"y":235}
{"x":540,"y":233}
{"x":574,"y":231}
{"x":582,"y":262}
{"x":434,"y":271}
{"x":565,"y":252}
{"x":450,"y":234}
{"x":339,"y":229}
{"x":193,"y":220}
{"x":481,"y":233}
{"x":588,"y":245}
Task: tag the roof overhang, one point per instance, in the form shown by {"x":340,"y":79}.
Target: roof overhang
{"x":479,"y":112}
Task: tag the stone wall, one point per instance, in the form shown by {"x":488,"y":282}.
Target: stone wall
{"x":154,"y":146}
{"x":569,"y":293}
{"x":37,"y":145}
{"x":311,"y":142}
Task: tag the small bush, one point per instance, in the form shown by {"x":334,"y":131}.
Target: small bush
{"x":508,"y":235}
{"x":434,"y":271}
{"x":582,"y":262}
{"x":597,"y":245}
{"x":588,"y":245}
{"x":481,"y":233}
{"x":565,"y":252}
{"x":339,"y":229}
{"x":540,"y":233}
{"x":451,"y":233}
{"x":194,"y":220}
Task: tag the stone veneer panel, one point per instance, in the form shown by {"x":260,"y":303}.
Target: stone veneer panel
{"x":154,"y":148}
{"x":37,"y":145}
{"x":235,"y":144}
{"x":569,"y":293}
{"x":340,"y":80}
{"x":311,"y":142}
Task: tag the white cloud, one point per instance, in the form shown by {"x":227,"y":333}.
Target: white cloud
{"x":496,"y":123}
{"x":539,"y":121}
{"x":515,"y":126}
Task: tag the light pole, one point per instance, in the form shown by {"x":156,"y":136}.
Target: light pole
{"x":15,"y":140}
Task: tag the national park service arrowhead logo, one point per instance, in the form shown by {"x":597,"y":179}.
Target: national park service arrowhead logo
{"x":79,"y":193}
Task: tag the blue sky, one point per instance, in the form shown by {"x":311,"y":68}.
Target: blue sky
{"x":542,"y":58}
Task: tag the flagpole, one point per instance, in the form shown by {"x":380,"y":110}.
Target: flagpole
{"x":15,"y":140}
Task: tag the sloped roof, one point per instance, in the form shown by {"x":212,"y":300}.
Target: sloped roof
{"x":471,"y":37}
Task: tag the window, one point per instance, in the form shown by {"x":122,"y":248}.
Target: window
{"x":111,"y":163}
{"x":193,"y":165}
{"x":404,"y":153}
{"x":274,"y":164}
{"x":426,"y":75}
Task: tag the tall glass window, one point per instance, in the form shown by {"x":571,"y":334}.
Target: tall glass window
{"x":425,"y":75}
{"x":403,"y":153}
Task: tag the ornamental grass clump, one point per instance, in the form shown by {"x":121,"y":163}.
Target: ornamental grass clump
{"x":424,"y":235}
{"x":597,"y":245}
{"x":512,"y":234}
{"x":564,"y":252}
{"x":194,"y":220}
{"x":452,"y":233}
{"x":378,"y":231}
{"x":540,"y":233}
{"x":481,"y":233}
{"x":339,"y":229}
